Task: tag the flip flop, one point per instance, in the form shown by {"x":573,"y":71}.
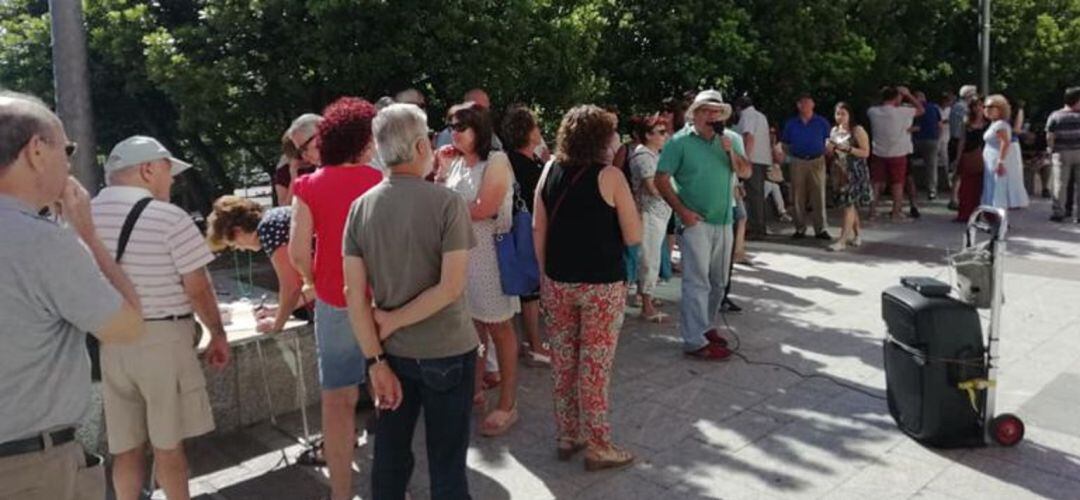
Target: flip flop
{"x":536,"y":359}
{"x":657,"y":317}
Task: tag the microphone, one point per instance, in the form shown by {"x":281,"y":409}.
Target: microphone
{"x":717,"y":126}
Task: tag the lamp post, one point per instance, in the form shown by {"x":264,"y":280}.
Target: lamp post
{"x":984,"y":45}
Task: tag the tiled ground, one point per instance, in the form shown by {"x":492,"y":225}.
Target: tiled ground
{"x":734,"y":430}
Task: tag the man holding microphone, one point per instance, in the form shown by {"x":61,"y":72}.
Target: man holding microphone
{"x":694,"y":176}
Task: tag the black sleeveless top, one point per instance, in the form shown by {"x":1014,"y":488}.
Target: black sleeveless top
{"x":974,"y":138}
{"x":584,"y":240}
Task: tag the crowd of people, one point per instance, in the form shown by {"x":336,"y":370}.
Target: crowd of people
{"x":395,"y":240}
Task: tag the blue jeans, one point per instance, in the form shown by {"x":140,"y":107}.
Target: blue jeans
{"x":341,"y":364}
{"x":443,"y":388}
{"x":706,"y":250}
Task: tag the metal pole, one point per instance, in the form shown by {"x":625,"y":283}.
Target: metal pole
{"x":984,"y":44}
{"x":71,"y":78}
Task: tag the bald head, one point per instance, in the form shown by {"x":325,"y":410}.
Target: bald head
{"x":22,"y":117}
{"x":411,"y":96}
{"x":480,"y":97}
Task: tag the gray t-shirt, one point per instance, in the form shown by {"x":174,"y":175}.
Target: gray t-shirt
{"x":401,"y":228}
{"x":51,"y":294}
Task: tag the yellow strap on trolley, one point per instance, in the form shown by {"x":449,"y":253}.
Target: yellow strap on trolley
{"x":975,"y":384}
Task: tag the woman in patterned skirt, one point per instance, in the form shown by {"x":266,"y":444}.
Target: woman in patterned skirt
{"x":850,"y":147}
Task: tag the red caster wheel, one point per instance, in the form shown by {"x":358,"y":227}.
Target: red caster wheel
{"x":1007,"y":429}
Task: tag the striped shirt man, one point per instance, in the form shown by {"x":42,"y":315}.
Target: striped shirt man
{"x":1064,"y":125}
{"x":164,"y":245}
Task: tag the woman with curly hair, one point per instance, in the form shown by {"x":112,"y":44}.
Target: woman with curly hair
{"x":242,"y":224}
{"x":484,"y":178}
{"x":581,"y":198}
{"x":321,"y":202}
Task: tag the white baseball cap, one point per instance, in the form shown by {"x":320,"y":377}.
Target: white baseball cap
{"x":140,"y":149}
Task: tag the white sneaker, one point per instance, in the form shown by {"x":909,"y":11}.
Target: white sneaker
{"x":839,"y":246}
{"x":856,"y":242}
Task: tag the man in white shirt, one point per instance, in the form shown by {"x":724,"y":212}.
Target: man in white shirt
{"x":754,"y":127}
{"x":154,"y":389}
{"x":890,"y":126}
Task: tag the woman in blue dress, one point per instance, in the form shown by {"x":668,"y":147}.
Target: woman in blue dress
{"x":1001,"y":156}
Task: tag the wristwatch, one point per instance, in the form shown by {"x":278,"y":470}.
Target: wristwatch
{"x":376,"y":359}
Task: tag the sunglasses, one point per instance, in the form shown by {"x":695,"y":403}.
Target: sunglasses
{"x":303,"y":147}
{"x":459,"y":127}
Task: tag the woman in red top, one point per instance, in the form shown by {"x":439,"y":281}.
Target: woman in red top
{"x":321,"y":202}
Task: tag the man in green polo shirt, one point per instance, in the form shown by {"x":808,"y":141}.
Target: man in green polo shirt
{"x":694,"y":176}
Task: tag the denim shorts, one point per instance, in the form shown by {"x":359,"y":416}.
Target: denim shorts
{"x":739,"y":210}
{"x":341,"y":363}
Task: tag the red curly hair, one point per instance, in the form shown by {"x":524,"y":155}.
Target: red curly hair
{"x":345,"y":130}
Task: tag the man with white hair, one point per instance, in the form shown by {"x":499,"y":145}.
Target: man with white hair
{"x":407,"y":241}
{"x":154,"y":389}
{"x":51,"y":293}
{"x":694,"y":176}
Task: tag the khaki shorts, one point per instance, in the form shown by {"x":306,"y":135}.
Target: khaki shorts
{"x":155,"y":389}
{"x":63,"y":472}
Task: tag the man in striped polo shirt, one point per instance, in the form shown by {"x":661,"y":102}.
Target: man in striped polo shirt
{"x":1063,"y":141}
{"x":154,"y":389}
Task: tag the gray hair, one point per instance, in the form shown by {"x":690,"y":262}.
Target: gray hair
{"x":397,"y":128}
{"x":22,"y":117}
{"x":304,"y":125}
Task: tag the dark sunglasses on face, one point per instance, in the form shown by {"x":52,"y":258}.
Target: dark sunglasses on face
{"x":459,"y":127}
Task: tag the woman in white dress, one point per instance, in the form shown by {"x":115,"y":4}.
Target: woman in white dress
{"x":1003,"y":180}
{"x":484,"y":178}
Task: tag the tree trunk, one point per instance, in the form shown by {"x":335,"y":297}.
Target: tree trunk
{"x":71,"y":78}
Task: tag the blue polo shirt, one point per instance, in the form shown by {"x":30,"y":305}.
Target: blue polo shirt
{"x":929,"y":124}
{"x":806,"y":139}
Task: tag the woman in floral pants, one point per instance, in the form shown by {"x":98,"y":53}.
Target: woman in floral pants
{"x":584,"y":215}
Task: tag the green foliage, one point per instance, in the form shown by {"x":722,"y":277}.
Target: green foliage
{"x":219,"y":80}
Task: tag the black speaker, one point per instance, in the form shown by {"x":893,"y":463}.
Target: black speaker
{"x":935,"y":342}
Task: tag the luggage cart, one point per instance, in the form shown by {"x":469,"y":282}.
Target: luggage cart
{"x":1005,"y":429}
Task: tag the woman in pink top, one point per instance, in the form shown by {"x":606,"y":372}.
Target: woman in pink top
{"x":321,"y":202}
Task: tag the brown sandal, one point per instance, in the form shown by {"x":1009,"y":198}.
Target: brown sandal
{"x":611,"y":458}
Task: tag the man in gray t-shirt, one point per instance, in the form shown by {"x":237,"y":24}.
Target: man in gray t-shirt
{"x":408,"y":241}
{"x":51,"y":294}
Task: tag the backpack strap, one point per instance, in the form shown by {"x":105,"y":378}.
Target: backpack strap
{"x":129,"y":225}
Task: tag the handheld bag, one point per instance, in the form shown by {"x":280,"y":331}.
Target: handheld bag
{"x":519,"y":271}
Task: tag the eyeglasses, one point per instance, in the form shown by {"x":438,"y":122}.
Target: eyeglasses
{"x":303,"y":147}
{"x":69,"y":148}
{"x":458,"y":126}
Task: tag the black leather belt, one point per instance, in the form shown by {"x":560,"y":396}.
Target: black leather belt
{"x":36,"y":443}
{"x":175,"y":317}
